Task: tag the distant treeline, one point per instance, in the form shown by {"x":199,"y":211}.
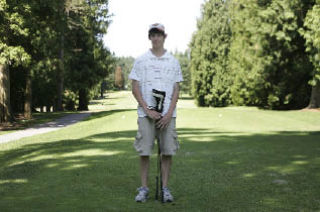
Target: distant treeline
{"x":262,"y":53}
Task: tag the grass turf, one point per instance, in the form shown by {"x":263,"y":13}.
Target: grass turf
{"x":231,"y":159}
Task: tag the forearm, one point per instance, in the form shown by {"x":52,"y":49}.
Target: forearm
{"x":137,"y":95}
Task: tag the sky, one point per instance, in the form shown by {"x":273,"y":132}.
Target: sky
{"x":128,"y":32}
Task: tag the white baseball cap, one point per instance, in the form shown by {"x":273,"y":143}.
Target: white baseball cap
{"x":157,"y":26}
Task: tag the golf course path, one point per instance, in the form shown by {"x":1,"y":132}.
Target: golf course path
{"x":46,"y":127}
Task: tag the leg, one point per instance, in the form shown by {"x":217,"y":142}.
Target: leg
{"x":143,"y":190}
{"x":144,"y":169}
{"x":169,"y":146}
{"x":166,"y":165}
{"x":143,"y":144}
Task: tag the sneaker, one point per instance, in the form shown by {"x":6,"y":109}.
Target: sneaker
{"x":167,"y":197}
{"x":142,"y":195}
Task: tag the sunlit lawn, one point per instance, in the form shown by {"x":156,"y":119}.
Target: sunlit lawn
{"x":231,"y":159}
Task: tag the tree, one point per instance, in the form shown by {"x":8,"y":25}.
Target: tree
{"x":267,"y":55}
{"x":118,"y":78}
{"x":12,"y":27}
{"x":126,"y":64}
{"x":209,"y":55}
{"x":184,"y":60}
{"x":312,"y":36}
{"x":65,"y":23}
{"x":51,"y":37}
{"x":90,"y":61}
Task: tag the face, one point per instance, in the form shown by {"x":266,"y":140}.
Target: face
{"x":157,"y":40}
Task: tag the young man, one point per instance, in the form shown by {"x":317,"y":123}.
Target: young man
{"x":156,"y":69}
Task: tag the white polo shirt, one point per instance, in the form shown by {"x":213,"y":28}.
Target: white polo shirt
{"x":160,"y":73}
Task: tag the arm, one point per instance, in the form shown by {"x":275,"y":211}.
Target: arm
{"x":165,"y":120}
{"x":138,"y":96}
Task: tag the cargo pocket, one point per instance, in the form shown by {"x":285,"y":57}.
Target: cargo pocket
{"x":137,"y":143}
{"x":176,"y":141}
{"x":174,"y":144}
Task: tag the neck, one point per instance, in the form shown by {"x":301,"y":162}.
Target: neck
{"x":158,"y":51}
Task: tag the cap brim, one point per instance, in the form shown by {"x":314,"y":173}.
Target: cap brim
{"x":157,"y":28}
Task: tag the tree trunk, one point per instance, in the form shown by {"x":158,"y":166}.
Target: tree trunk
{"x":48,"y":108}
{"x":5,"y":108}
{"x":60,"y":77}
{"x":60,"y":71}
{"x":60,"y":82}
{"x":103,"y":85}
{"x":28,"y":97}
{"x":315,"y":96}
{"x":83,"y":99}
{"x":101,"y":92}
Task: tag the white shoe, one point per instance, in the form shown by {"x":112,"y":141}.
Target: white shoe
{"x":142,"y":195}
{"x":167,"y":197}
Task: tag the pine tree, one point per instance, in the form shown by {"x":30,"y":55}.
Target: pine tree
{"x":12,"y":27}
{"x":118,"y":78}
{"x":267,"y":54}
{"x":184,"y":60}
{"x":312,"y":36}
{"x":209,"y":55}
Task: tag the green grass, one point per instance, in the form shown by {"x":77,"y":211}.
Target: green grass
{"x":231,"y":159}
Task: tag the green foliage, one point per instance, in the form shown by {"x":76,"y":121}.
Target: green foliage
{"x":184,"y":60}
{"x":251,"y":53}
{"x":126,"y":64}
{"x":267,"y":54}
{"x":56,"y":40}
{"x":13,"y":26}
{"x":209,"y":56}
{"x":312,"y":36}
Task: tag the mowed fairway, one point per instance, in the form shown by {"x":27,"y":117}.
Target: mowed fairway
{"x":231,"y":159}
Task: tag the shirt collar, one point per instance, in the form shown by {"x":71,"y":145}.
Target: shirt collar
{"x":162,"y":56}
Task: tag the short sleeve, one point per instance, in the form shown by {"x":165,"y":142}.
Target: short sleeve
{"x":134,"y":74}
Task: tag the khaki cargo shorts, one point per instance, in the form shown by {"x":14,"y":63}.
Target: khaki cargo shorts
{"x":147,"y":133}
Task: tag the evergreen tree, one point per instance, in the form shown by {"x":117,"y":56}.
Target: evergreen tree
{"x":12,"y":28}
{"x":267,"y":56}
{"x":126,"y":64}
{"x":312,"y":36}
{"x":209,"y":56}
{"x":184,"y":60}
{"x":89,"y":63}
{"x":55,"y":37}
{"x":118,"y":78}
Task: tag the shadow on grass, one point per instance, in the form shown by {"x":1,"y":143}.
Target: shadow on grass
{"x":186,"y":98}
{"x":213,"y":171}
{"x":107,"y":113}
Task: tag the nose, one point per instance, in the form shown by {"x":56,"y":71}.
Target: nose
{"x":156,"y":37}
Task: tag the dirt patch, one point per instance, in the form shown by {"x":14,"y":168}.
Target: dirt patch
{"x":17,"y":124}
{"x":311,"y":109}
